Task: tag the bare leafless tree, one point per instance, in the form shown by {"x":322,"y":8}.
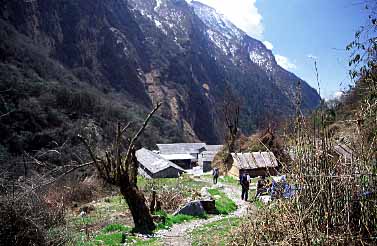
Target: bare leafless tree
{"x":119,"y":166}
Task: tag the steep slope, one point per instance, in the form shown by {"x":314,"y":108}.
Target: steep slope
{"x":246,"y":52}
{"x":221,"y":55}
{"x":133,"y":54}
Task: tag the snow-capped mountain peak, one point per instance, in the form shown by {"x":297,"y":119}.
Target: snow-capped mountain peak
{"x":232,"y":40}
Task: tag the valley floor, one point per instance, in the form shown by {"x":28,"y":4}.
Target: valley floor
{"x":181,"y":234}
{"x":110,"y":222}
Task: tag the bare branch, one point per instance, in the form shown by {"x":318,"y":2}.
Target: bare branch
{"x":142,"y":128}
{"x":125,"y":128}
{"x":7,"y":114}
{"x":91,"y":153}
{"x":55,"y":179}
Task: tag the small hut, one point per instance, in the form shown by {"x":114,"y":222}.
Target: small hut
{"x":206,"y":157}
{"x":152,"y":165}
{"x":255,"y":164}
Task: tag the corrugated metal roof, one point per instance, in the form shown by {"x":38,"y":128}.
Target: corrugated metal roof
{"x":180,"y":148}
{"x":255,"y":160}
{"x":178,"y":157}
{"x":154,"y":162}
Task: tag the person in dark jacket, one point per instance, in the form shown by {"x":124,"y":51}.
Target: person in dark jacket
{"x":245,"y":184}
{"x":215,"y":174}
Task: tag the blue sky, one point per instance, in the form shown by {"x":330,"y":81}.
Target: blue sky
{"x":298,"y":31}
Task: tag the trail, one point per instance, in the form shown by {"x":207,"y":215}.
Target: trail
{"x":179,"y":234}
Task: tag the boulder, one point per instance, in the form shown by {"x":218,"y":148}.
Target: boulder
{"x":193,"y":208}
{"x":204,"y":193}
{"x":209,"y":206}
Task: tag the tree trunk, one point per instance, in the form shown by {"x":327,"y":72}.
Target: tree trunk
{"x":140,"y":213}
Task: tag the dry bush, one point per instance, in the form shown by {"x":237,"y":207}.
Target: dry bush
{"x":218,"y":161}
{"x":16,"y":229}
{"x":70,"y":193}
{"x":31,"y":214}
{"x":171,"y":198}
{"x":26,"y":221}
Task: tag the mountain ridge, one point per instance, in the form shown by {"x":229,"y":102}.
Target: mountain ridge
{"x":135,"y":53}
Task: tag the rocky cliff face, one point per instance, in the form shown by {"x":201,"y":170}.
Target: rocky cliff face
{"x":144,"y":51}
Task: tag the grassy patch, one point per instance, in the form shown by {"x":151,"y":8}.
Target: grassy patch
{"x":224,"y":204}
{"x":229,"y":180}
{"x":113,"y":210}
{"x":216,"y":233}
{"x":116,"y":239}
{"x":111,"y":235}
{"x":116,"y":227}
{"x":175,"y":219}
{"x":109,"y":239}
{"x":107,"y":209}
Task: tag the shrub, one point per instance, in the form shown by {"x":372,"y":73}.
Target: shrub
{"x":16,"y":228}
{"x":27,"y":221}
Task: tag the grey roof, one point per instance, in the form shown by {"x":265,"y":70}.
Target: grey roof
{"x":343,"y":150}
{"x":153,"y":162}
{"x":178,"y":157}
{"x":214,"y":148}
{"x":180,"y":148}
{"x":208,"y":155}
{"x":255,"y":160}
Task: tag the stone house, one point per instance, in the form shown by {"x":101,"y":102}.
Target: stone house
{"x":152,"y":165}
{"x":206,"y":157}
{"x":183,"y":154}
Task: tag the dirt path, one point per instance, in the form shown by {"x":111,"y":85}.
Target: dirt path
{"x":179,"y":233}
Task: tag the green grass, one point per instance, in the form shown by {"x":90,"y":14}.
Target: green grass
{"x":170,"y":220}
{"x":216,"y":233}
{"x":229,"y":180}
{"x":224,"y":204}
{"x":114,"y":235}
{"x":116,"y":227}
{"x":109,"y":239}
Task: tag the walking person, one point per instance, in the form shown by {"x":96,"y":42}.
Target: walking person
{"x":215,"y":174}
{"x":245,"y":184}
